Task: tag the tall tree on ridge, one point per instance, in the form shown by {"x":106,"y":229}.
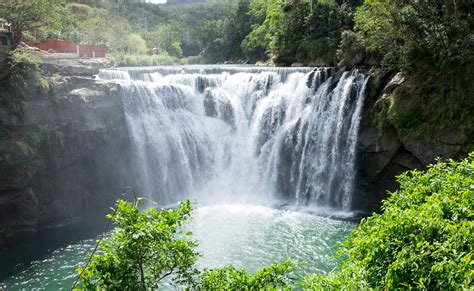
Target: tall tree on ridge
{"x":29,"y":15}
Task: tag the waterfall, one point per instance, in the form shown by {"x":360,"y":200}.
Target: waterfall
{"x":237,"y":133}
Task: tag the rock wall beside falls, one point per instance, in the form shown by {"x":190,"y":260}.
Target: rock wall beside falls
{"x":65,"y":157}
{"x":383,"y":154}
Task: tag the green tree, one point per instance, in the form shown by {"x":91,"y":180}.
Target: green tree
{"x":267,"y":15}
{"x":432,"y":43}
{"x":237,"y":28}
{"x":304,"y":31}
{"x":135,"y":44}
{"x":211,"y":35}
{"x":32,"y":15}
{"x":145,"y":248}
{"x":167,"y":37}
{"x":418,"y":36}
{"x":424,"y":239}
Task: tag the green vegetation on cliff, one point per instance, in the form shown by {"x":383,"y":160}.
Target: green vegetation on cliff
{"x":23,"y":78}
{"x":432,"y":44}
{"x":423,"y":240}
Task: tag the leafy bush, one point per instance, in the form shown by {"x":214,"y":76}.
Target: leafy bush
{"x":145,"y":248}
{"x":351,"y":51}
{"x":423,"y":239}
{"x":275,"y":276}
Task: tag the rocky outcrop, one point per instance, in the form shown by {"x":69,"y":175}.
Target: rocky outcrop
{"x":384,"y":155}
{"x":73,"y":67}
{"x":64,"y":159}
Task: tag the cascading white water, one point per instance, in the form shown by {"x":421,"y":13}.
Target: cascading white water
{"x":234,"y":133}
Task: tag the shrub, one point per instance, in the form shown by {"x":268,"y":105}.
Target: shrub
{"x":351,"y":51}
{"x":424,"y":238}
{"x":273,"y":277}
{"x":144,"y":248}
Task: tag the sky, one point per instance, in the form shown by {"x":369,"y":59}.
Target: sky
{"x":158,"y":1}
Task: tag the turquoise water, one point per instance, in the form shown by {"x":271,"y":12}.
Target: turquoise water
{"x":242,"y":235}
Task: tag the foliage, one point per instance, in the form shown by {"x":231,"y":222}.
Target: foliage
{"x":275,"y":276}
{"x":32,"y":15}
{"x":167,"y":38}
{"x":426,"y":110}
{"x":418,"y":36}
{"x":192,"y":17}
{"x":211,"y":35}
{"x":432,"y":43}
{"x":350,"y":52}
{"x":424,"y":238}
{"x":306,"y":31}
{"x":221,"y":39}
{"x":145,"y":248}
{"x":135,"y":44}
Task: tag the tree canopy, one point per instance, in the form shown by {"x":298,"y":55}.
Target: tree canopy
{"x":32,"y":15}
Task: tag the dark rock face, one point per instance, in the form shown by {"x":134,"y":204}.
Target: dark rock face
{"x":19,"y":214}
{"x":67,"y":158}
{"x":382,"y":157}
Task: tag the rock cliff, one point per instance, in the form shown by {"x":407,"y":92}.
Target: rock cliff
{"x":63,"y":159}
{"x":384,"y":154}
